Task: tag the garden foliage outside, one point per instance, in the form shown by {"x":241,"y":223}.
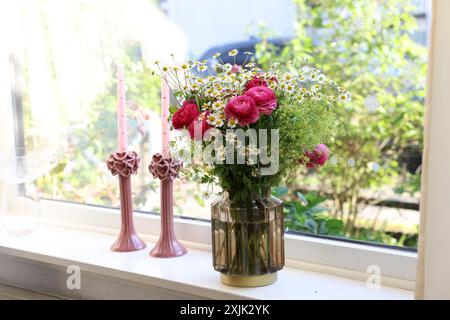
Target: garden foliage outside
{"x":366,"y":46}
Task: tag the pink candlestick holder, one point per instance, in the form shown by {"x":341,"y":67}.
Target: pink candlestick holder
{"x":166,"y":169}
{"x":125,"y":164}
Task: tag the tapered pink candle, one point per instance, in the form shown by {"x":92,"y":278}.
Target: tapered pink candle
{"x":121,"y":111}
{"x":165,"y":94}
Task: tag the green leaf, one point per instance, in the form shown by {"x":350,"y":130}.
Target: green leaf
{"x":311,"y":225}
{"x":302,"y":198}
{"x":173,"y":109}
{"x":199,"y":200}
{"x":334,"y":226}
{"x":314,"y":210}
{"x":322,"y":228}
{"x":279,"y":191}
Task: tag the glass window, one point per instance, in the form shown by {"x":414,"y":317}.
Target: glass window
{"x":63,"y":55}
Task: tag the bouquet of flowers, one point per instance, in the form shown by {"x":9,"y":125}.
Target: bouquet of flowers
{"x":259,"y":125}
{"x":248,"y":129}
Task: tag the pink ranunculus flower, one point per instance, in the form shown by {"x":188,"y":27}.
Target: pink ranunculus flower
{"x":243,"y":109}
{"x":257,"y":81}
{"x":236,"y":68}
{"x":183,"y":117}
{"x":265,"y":99}
{"x":197,"y":127}
{"x":317,"y":157}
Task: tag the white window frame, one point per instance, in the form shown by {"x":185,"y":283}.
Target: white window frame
{"x":433,"y":280}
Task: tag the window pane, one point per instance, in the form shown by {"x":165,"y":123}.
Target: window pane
{"x":65,"y":53}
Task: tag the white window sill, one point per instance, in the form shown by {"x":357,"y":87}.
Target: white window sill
{"x":39,"y":261}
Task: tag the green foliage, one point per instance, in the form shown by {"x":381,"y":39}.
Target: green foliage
{"x":365,"y":46}
{"x":410,"y":184}
{"x":306,"y":214}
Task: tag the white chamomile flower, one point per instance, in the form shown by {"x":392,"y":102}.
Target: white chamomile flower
{"x":247,"y":76}
{"x":274,"y":65}
{"x":252,"y":150}
{"x":194,"y":87}
{"x":230,"y":137}
{"x":218,"y":123}
{"x":316,"y":87}
{"x":344,"y":97}
{"x":250,"y":65}
{"x":207,"y":104}
{"x":301,"y":77}
{"x":239,"y":144}
{"x":227,"y":79}
{"x":318,"y":96}
{"x":248,"y":53}
{"x":321,"y":78}
{"x":202,"y":68}
{"x":313,"y":76}
{"x":287,"y":77}
{"x":217,"y":55}
{"x":273,"y":85}
{"x":233,"y":53}
{"x":220,"y":152}
{"x":217,"y":105}
{"x":222,"y":116}
{"x":211,"y":119}
{"x":206,"y":194}
{"x":290,"y":88}
{"x":232,"y":122}
{"x":240,"y":149}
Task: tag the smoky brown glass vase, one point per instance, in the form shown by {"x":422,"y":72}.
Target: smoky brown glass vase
{"x":248,"y":239}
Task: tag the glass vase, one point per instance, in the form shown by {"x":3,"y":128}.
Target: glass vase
{"x":248,"y":239}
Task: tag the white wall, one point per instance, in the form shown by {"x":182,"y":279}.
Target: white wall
{"x":208,"y":23}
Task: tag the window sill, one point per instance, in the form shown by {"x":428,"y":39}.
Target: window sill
{"x":39,"y":262}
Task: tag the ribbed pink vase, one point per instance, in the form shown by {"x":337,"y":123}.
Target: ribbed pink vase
{"x":166,"y":169}
{"x":125,"y":164}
